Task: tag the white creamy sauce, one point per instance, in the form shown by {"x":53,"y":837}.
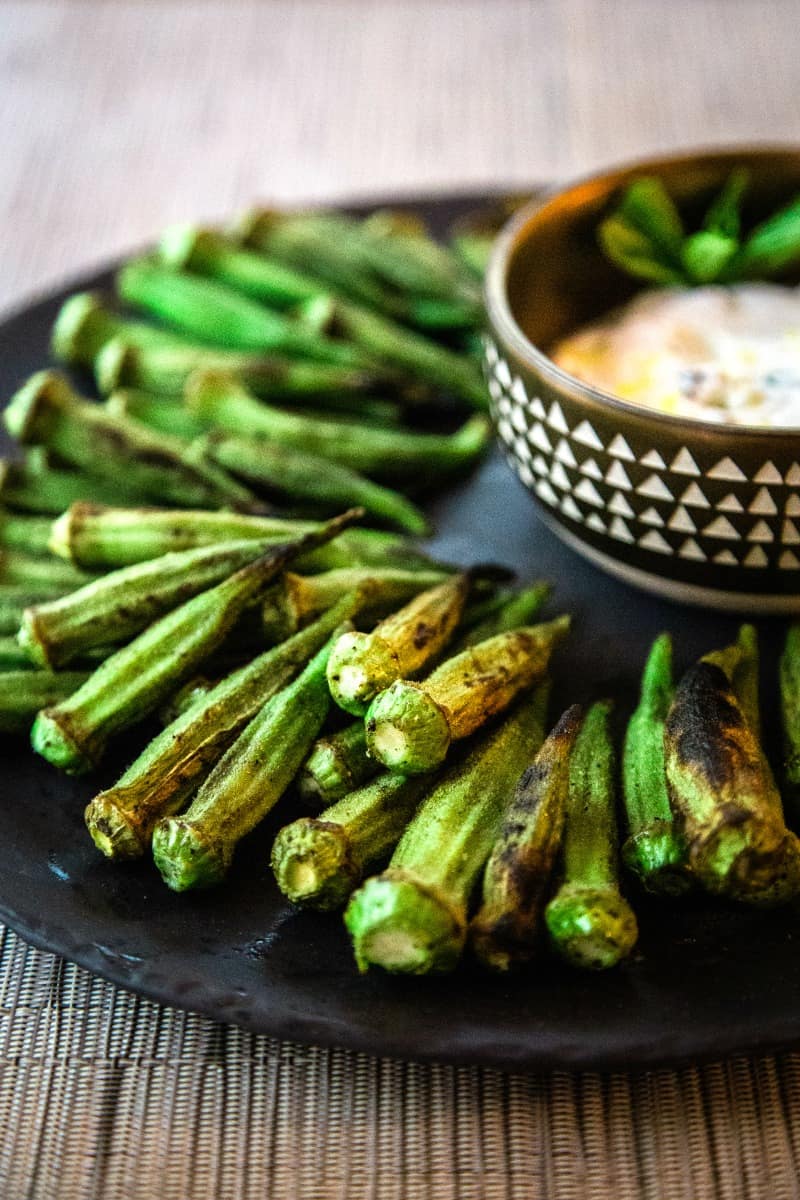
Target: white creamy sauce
{"x":728,"y":354}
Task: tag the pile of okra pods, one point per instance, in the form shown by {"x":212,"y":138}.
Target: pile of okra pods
{"x":311,"y":649}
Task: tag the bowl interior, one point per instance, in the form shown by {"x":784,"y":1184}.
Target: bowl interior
{"x":557,"y":277}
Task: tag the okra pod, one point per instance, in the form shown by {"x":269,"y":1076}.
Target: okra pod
{"x":39,"y":488}
{"x":454,"y":373}
{"x":196,"y":848}
{"x":296,"y":599}
{"x":655,"y":850}
{"x":24,"y":693}
{"x":30,"y":534}
{"x":287,"y":474}
{"x":790,"y":706}
{"x":338,"y":764}
{"x":12,"y":656}
{"x":47,"y":412}
{"x":720,"y":784}
{"x":589,"y":921}
{"x":413,"y":917}
{"x":364,"y":664}
{"x":410,"y":725}
{"x":504,"y":932}
{"x":502,"y":613}
{"x":120,"y":604}
{"x":98,"y":537}
{"x":401,"y":250}
{"x":172,"y":766}
{"x":167,"y":369}
{"x":134,"y":681}
{"x":162,"y":414}
{"x":390,"y":455}
{"x":319,"y":861}
{"x":14,"y":599}
{"x":214,"y":313}
{"x":84,"y":326}
{"x":18,"y":569}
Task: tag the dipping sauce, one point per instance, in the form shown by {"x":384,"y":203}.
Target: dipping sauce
{"x":727,"y":354}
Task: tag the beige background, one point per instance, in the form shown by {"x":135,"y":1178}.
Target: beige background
{"x":116,"y":118}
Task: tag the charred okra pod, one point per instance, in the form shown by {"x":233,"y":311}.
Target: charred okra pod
{"x":319,"y":861}
{"x":589,"y":921}
{"x":286,"y":474}
{"x":790,"y":706}
{"x":390,"y":455}
{"x":30,"y":534}
{"x":94,"y":536}
{"x":720,"y":784}
{"x":134,"y":681}
{"x":410,"y":725}
{"x":196,"y":848}
{"x":413,"y":917}
{"x":171,"y":768}
{"x":296,"y":599}
{"x":504,"y":931}
{"x":655,"y":850}
{"x":402,"y":645}
{"x":338,"y":764}
{"x":24,"y":693}
{"x":47,"y":412}
{"x":120,"y":604}
{"x":214,"y":313}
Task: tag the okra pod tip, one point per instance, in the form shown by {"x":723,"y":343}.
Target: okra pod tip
{"x":312,"y":859}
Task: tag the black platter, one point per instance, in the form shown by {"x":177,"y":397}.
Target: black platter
{"x":704,"y":981}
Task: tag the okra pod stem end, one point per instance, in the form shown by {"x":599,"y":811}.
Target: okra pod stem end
{"x":592,"y":928}
{"x":312,"y":864}
{"x":114,"y":834}
{"x":360,"y":664}
{"x":407,"y":730}
{"x":51,"y":736}
{"x":187,"y":858}
{"x":398,"y":923}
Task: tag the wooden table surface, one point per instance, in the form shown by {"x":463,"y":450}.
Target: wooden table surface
{"x":120,"y":117}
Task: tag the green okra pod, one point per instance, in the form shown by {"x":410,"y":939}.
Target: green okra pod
{"x":721,"y":787}
{"x":134,"y":681}
{"x":790,"y":705}
{"x":167,"y":369}
{"x":390,"y":455}
{"x":196,"y":848}
{"x":101,"y":537}
{"x":319,"y":861}
{"x":116,"y":606}
{"x":410,"y":725}
{"x":501,"y":613}
{"x":655,"y":850}
{"x":46,"y":411}
{"x":400,"y":249}
{"x":296,"y":599}
{"x":35,"y":487}
{"x":29,"y":534}
{"x":589,"y":921}
{"x":413,"y":917}
{"x":404,"y":349}
{"x":15,"y":598}
{"x":171,"y":767}
{"x":18,"y":569}
{"x":338,"y":764}
{"x":24,"y":693}
{"x":12,"y":656}
{"x":504,"y":932}
{"x":162,"y":414}
{"x":214,"y":313}
{"x":364,"y":664}
{"x":287,"y":474}
{"x":84,"y":326}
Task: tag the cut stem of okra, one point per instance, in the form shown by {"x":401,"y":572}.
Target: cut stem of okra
{"x":338,"y":764}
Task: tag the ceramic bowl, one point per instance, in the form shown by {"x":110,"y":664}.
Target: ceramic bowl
{"x":703,"y":513}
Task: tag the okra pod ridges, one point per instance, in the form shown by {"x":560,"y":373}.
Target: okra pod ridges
{"x":364,"y":664}
{"x":413,"y":917}
{"x":118,"y":605}
{"x":655,"y":850}
{"x":24,"y":693}
{"x":30,"y":534}
{"x":134,"y":681}
{"x":504,"y":932}
{"x":196,"y":849}
{"x":319,"y":861}
{"x":589,"y":922}
{"x":410,"y":725}
{"x":172,"y":766}
{"x":338,"y":764}
{"x":721,"y":786}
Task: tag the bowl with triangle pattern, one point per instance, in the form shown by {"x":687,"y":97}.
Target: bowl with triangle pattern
{"x":697,"y":510}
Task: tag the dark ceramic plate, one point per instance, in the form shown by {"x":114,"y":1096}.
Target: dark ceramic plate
{"x":704,"y":981}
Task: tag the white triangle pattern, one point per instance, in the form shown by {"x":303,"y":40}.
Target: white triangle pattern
{"x":729,"y":503}
{"x":726,"y":468}
{"x":726,"y":558}
{"x":590,"y":468}
{"x":651,"y":516}
{"x":756,"y":558}
{"x":619,"y":448}
{"x":769,"y":473}
{"x":763,"y":505}
{"x":683,"y":463}
{"x":618,"y":477}
{"x":556,"y":419}
{"x":789,"y":561}
{"x":565,"y":455}
{"x":586,"y":435}
{"x":653,"y":460}
{"x":789,"y":534}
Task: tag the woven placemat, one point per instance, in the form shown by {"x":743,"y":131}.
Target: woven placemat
{"x":106,"y":1095}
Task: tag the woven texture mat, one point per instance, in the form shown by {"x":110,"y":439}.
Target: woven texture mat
{"x":103,"y":1094}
